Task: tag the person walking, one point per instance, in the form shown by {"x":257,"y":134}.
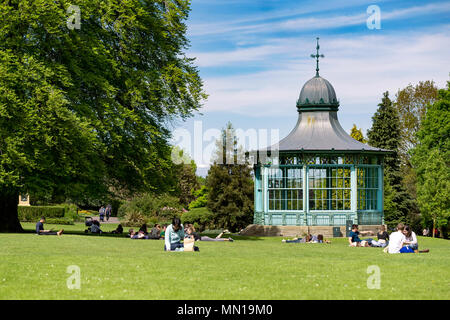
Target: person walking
{"x":108,"y":212}
{"x":102,"y":213}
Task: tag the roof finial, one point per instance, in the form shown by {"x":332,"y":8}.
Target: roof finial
{"x":317,"y":56}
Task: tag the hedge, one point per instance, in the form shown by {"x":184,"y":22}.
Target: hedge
{"x":34,"y":213}
{"x":66,"y":221}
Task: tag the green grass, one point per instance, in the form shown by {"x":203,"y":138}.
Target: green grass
{"x":34,"y":267}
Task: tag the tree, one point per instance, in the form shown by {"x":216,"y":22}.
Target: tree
{"x":411,"y":103}
{"x":357,"y":134}
{"x":434,"y":191}
{"x":430,"y":159}
{"x":85,"y":111}
{"x":230,"y":184}
{"x":385,"y":133}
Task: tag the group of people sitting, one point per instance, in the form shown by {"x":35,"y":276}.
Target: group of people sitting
{"x":175,"y":236}
{"x":155,"y":233}
{"x":176,"y":233}
{"x":404,"y":240}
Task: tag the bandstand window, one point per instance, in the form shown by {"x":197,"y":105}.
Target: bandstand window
{"x":367,"y":188}
{"x":285,"y":186}
{"x":329,"y":188}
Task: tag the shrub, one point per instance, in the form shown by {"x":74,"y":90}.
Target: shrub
{"x":151,"y":207}
{"x":66,"y":221}
{"x":71,"y":211}
{"x":134,"y":219}
{"x":201,"y":218}
{"x":201,"y":198}
{"x":34,"y":213}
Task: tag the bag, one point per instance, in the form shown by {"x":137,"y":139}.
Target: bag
{"x":189,"y":244}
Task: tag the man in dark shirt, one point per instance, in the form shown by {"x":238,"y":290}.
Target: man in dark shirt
{"x":40,"y":229}
{"x":354,"y":239}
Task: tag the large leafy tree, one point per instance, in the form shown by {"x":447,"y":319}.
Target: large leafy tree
{"x":411,"y":103}
{"x":230,"y":184}
{"x":385,"y":133}
{"x":85,"y":111}
{"x":430,"y":159}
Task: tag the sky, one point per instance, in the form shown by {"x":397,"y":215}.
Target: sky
{"x":254,"y":57}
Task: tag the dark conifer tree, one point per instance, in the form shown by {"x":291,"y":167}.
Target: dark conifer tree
{"x":385,"y":133}
{"x":230,"y":184}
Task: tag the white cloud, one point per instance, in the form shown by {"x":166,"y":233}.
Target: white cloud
{"x":360,"y":69}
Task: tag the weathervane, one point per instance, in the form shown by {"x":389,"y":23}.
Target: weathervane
{"x":317,"y":56}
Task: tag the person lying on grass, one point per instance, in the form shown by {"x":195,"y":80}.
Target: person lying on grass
{"x":137,"y":235}
{"x":196,"y":236}
{"x":355,"y":241}
{"x":399,"y":244}
{"x":40,"y":229}
{"x":308,"y":239}
{"x":174,"y":235}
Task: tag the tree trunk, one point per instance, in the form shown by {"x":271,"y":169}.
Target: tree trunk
{"x":9,"y":221}
{"x":434,"y":227}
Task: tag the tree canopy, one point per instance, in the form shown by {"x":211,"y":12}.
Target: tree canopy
{"x":431,"y":162}
{"x":85,"y":111}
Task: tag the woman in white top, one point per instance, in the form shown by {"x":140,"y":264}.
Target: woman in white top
{"x":411,"y":238}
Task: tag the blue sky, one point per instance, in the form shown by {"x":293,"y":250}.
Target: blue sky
{"x":254,"y":57}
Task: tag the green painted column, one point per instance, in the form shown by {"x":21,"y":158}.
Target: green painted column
{"x":380,"y":195}
{"x":354,"y":193}
{"x":305,"y":194}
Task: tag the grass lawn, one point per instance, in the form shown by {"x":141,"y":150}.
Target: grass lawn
{"x":34,"y":267}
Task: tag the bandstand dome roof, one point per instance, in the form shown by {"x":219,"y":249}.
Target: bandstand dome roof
{"x":318,"y":127}
{"x":317,"y":92}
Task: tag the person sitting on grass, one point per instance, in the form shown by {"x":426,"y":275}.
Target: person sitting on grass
{"x":197,"y":237}
{"x":355,"y":241}
{"x":119,"y":230}
{"x":95,"y":228}
{"x":40,"y":229}
{"x":398,"y":240}
{"x":173,"y":236}
{"x":410,"y":238}
{"x":155,"y":232}
{"x":383,"y":238}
